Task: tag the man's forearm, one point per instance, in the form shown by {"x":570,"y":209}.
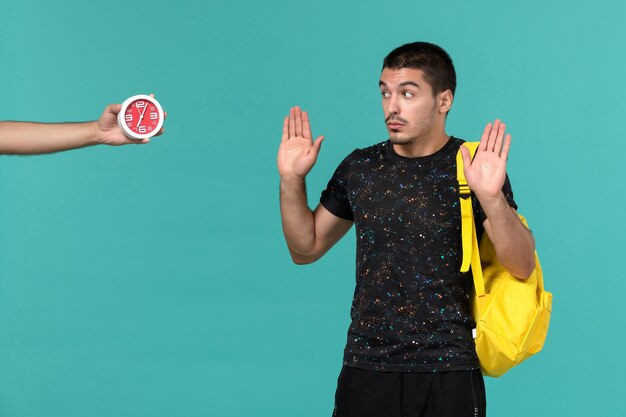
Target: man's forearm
{"x":297,"y":218}
{"x":28,"y":138}
{"x":513,"y":242}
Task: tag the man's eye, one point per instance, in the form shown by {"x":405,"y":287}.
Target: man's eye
{"x":408,"y":94}
{"x":385,"y":94}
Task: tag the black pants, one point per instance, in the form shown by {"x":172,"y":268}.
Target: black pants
{"x":364,"y":393}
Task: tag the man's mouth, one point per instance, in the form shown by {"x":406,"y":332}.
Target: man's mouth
{"x":394,"y":125}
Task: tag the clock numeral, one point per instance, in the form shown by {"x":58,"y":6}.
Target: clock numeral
{"x":142,"y":129}
{"x":140,"y":104}
{"x":129,"y":117}
{"x":154,"y":116}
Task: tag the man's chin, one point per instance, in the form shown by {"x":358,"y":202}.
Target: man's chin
{"x":395,"y":140}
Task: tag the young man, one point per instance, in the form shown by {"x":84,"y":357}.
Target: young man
{"x":410,"y":350}
{"x":28,"y":138}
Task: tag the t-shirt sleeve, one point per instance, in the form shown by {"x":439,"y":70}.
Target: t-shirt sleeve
{"x":508,"y":194}
{"x":335,"y":197}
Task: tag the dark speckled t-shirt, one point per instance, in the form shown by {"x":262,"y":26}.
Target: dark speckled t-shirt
{"x":411,"y":308}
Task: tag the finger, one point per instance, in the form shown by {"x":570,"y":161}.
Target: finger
{"x":164,"y":115}
{"x":292,"y":123}
{"x":285,"y":130}
{"x":506,"y":147}
{"x":493,"y":135}
{"x":160,"y":132}
{"x":152,"y":95}
{"x":485,"y":138}
{"x":306,"y":126}
{"x":298,"y":115}
{"x":497,"y":147}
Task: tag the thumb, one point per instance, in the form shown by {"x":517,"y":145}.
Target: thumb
{"x":114,"y":108}
{"x":467,"y":160}
{"x":318,"y":143}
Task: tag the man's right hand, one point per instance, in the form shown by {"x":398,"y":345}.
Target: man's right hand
{"x":297,"y":152}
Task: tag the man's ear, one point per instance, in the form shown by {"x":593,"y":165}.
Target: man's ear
{"x":446,"y":99}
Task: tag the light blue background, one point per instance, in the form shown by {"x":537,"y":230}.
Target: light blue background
{"x":154,"y":280}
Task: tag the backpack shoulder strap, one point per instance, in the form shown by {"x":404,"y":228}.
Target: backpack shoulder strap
{"x":467,"y":214}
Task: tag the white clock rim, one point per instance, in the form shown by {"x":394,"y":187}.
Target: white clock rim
{"x":122,"y":123}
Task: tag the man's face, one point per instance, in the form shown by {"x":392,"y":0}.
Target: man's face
{"x":408,"y":104}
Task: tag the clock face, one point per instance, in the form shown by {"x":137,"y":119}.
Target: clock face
{"x":141,"y":117}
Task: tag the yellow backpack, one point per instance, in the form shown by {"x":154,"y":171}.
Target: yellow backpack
{"x":512,"y":315}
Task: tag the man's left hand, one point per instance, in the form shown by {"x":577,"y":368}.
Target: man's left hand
{"x":486,"y":173}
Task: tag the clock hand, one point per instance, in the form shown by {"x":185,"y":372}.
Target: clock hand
{"x":142,"y":113}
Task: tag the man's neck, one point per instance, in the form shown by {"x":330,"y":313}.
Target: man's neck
{"x":423,"y":146}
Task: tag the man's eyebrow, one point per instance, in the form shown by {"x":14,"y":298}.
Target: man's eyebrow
{"x":410,"y":83}
{"x":381,"y":83}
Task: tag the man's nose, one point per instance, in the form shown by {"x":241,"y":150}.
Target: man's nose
{"x":392,"y":106}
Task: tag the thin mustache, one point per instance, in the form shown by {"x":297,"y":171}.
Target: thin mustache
{"x":395,"y":119}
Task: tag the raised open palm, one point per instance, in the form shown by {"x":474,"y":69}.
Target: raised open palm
{"x":297,"y":152}
{"x":486,"y":173}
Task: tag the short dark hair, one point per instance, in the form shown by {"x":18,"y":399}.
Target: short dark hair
{"x":431,"y":59}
